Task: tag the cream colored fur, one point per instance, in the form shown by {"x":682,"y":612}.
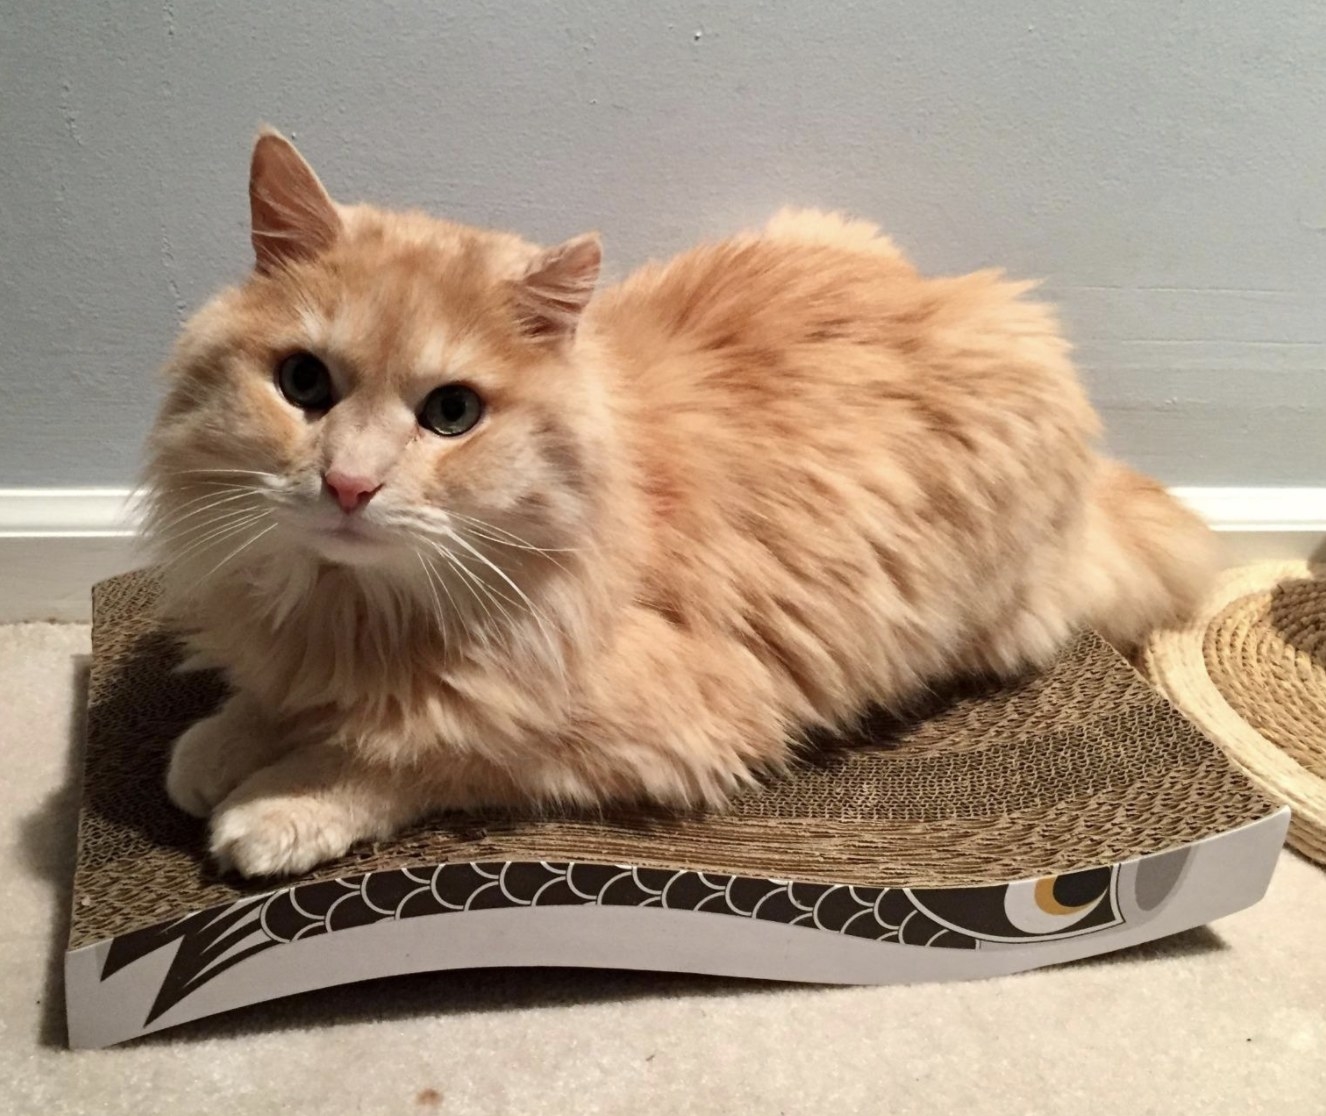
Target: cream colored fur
{"x":742,"y":496}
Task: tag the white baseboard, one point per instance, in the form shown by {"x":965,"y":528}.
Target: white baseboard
{"x":1263,"y":524}
{"x":56,"y":542}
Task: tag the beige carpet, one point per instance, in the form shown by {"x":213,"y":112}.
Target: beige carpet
{"x":1224,"y":1020}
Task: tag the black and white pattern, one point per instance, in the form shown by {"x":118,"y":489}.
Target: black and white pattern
{"x":211,"y":941}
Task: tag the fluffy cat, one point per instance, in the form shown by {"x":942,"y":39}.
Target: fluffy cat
{"x":461,"y":535}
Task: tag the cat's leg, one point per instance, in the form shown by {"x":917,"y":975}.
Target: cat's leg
{"x":218,"y":753}
{"x":311,"y":805}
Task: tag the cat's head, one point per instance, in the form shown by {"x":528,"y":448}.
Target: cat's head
{"x":388,"y":394}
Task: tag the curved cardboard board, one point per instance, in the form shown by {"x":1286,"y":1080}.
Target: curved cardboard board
{"x":999,"y":829}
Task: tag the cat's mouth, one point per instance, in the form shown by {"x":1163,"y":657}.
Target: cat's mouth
{"x":348,"y":527}
{"x":349,"y":540}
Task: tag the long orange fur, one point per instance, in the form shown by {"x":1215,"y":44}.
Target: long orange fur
{"x":742,"y":496}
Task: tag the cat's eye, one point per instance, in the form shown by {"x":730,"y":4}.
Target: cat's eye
{"x":305,"y":382}
{"x":451,"y":410}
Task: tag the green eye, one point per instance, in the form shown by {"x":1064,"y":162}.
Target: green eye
{"x":451,"y":411}
{"x":305,"y":382}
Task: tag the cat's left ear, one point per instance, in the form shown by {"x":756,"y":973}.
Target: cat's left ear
{"x":558,"y":285}
{"x":293,"y":216}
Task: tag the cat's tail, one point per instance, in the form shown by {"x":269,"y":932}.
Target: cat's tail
{"x":1149,"y":560}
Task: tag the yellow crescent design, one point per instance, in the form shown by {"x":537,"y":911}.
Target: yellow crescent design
{"x":1046,"y":901}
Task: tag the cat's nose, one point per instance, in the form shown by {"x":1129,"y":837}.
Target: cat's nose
{"x":350,"y":491}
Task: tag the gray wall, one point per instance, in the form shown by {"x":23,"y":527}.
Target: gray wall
{"x":1160,"y":164}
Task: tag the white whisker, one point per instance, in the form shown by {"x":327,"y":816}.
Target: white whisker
{"x":197,"y":532}
{"x":157,"y":499}
{"x":432,"y":579}
{"x":442,"y":581}
{"x":540,"y":620}
{"x":200,"y":532}
{"x":214,"y":536}
{"x":428,"y":577}
{"x":452,"y":561}
{"x":479,"y":533}
{"x":515,"y":540}
{"x":217,"y":472}
{"x":482,"y":586}
{"x":239,"y":549}
{"x":171,"y":522}
{"x":160,"y":510}
{"x":476,"y":534}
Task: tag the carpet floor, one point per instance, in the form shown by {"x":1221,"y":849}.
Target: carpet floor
{"x":1225,"y":1019}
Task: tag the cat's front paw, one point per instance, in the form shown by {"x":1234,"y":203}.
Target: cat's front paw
{"x":282,"y":835}
{"x":215,"y":755}
{"x":200,"y":773}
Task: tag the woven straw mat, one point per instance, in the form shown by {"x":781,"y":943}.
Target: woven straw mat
{"x":1251,"y":671}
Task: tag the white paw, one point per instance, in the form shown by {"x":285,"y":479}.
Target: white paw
{"x":203,"y":767}
{"x":279,"y":836}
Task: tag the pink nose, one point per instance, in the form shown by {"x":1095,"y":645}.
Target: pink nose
{"x":351,"y":492}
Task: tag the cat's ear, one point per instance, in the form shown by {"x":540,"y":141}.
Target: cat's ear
{"x":293,"y":216}
{"x":557,"y":287}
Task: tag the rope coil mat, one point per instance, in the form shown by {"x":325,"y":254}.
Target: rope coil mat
{"x":1251,"y":670}
{"x":1081,"y":766}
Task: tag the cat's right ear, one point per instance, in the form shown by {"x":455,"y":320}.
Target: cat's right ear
{"x":293,"y":216}
{"x":551,"y":295}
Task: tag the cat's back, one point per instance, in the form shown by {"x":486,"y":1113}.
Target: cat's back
{"x":800,"y":279}
{"x":821,"y":301}
{"x":828,"y":446}
{"x":816,"y":327}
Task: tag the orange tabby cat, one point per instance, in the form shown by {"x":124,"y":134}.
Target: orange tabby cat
{"x":461,"y":535}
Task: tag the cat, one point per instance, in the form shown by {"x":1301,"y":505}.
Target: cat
{"x":462,"y":533}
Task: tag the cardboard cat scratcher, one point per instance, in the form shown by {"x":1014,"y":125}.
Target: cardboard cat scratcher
{"x":1070,"y":814}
